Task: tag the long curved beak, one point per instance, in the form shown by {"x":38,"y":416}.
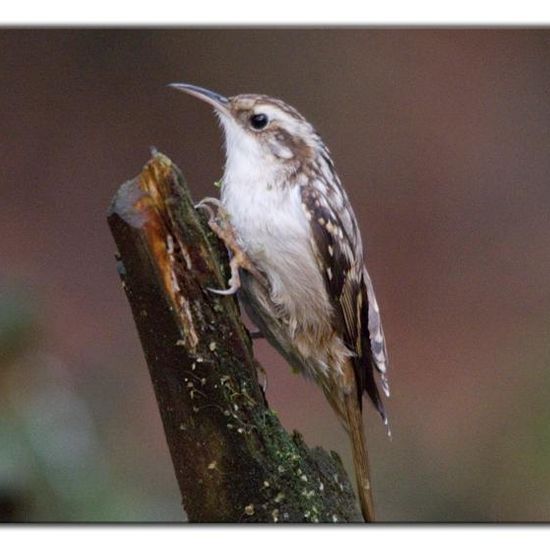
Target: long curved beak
{"x":219,"y":102}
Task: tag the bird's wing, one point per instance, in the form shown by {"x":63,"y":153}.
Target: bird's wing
{"x":337,"y":245}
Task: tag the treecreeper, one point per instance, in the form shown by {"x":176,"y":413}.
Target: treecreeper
{"x":297,"y":259}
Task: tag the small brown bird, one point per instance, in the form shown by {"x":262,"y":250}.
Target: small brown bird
{"x":295,"y":237}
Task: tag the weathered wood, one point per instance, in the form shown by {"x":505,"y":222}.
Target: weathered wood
{"x":233,"y":460}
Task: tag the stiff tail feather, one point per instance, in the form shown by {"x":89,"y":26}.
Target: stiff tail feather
{"x":354,"y":419}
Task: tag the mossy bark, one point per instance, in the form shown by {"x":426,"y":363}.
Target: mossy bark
{"x":233,"y":460}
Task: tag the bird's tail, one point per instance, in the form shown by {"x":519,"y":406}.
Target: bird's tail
{"x":354,"y":419}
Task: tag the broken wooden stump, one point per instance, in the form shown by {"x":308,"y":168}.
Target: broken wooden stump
{"x":233,"y":460}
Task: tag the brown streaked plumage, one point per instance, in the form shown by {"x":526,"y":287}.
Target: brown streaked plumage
{"x":314,"y":301}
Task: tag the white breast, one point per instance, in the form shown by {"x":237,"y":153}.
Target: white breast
{"x":273,"y":230}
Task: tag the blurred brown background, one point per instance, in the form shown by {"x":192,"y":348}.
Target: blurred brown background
{"x":442,"y":138}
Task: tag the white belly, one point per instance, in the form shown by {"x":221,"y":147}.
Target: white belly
{"x":274,"y":232}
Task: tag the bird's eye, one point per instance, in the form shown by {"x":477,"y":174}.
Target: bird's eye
{"x":259,"y":121}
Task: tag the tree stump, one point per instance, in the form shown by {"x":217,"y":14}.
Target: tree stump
{"x":233,"y":460}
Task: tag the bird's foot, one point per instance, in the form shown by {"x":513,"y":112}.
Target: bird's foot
{"x":219,"y":222}
{"x":256,"y":334}
{"x":207,"y":204}
{"x":263,"y":383}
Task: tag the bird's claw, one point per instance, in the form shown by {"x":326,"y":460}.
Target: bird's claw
{"x":219,"y":222}
{"x":211,"y":214}
{"x":234,"y":280}
{"x":220,"y":292}
{"x":209,"y":200}
{"x":225,"y":292}
{"x":263,"y":383}
{"x":206,"y":205}
{"x":256,"y":334}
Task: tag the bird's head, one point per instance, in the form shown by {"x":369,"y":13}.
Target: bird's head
{"x":261,"y":130}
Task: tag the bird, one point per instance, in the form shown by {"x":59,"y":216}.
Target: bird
{"x":298,"y":258}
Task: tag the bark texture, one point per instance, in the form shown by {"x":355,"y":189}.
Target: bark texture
{"x":233,"y":460}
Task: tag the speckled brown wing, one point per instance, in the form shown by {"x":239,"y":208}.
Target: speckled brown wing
{"x":338,"y":249}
